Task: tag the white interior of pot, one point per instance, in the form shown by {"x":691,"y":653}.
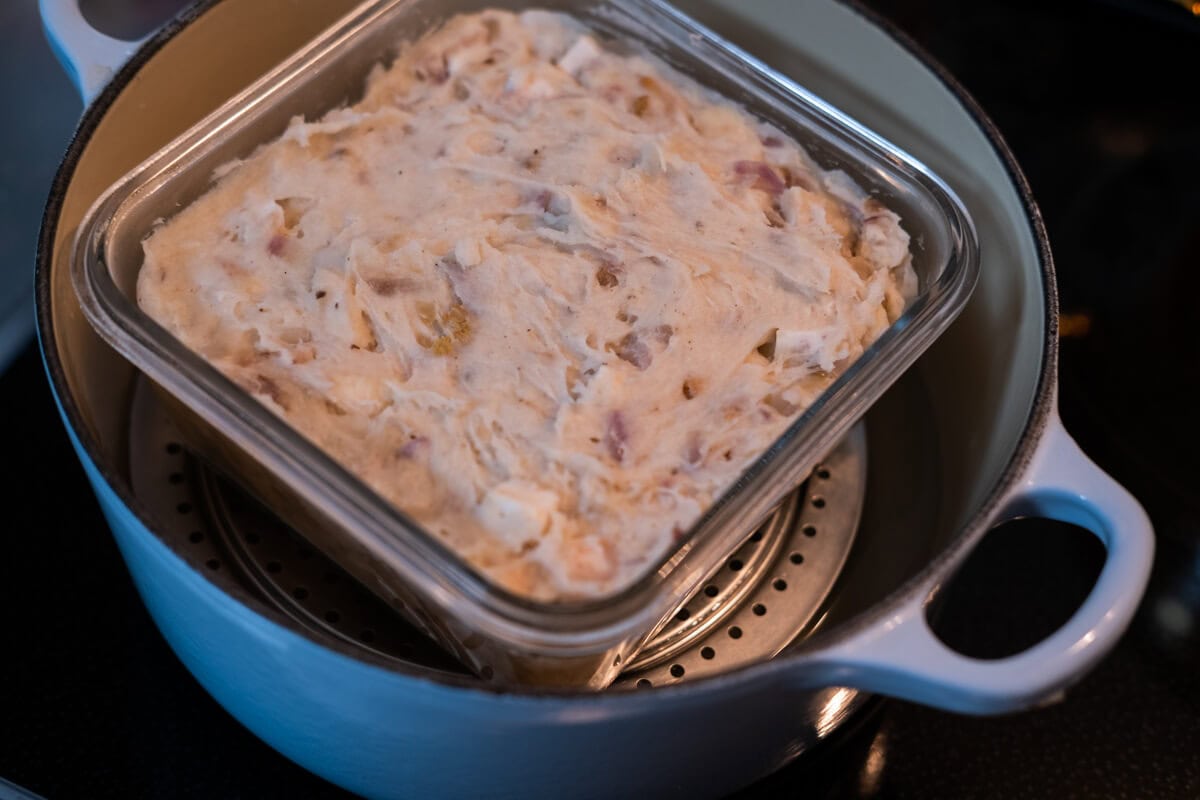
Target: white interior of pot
{"x":939,"y":441}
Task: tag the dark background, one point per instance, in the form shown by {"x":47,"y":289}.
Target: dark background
{"x":1100,"y":102}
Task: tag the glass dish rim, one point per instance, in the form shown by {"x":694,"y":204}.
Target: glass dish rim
{"x":157,"y":353}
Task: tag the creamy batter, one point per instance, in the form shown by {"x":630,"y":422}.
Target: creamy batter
{"x":548,"y":299}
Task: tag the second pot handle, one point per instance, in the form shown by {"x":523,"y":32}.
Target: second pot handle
{"x":90,"y":57}
{"x":900,"y":656}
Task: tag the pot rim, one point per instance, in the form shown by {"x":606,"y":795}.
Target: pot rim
{"x":1040,"y":413}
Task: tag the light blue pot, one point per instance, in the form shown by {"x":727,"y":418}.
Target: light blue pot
{"x":387,"y":729}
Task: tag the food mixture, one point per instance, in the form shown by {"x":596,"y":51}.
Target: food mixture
{"x":548,"y":299}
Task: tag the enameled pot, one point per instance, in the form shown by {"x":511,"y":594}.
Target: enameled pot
{"x":970,"y":438}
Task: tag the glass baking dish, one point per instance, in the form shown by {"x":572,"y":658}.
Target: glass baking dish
{"x":501,"y":635}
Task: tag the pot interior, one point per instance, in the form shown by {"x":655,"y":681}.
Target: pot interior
{"x":938,"y":442}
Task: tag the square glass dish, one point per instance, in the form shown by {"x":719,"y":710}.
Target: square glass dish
{"x":499,"y":634}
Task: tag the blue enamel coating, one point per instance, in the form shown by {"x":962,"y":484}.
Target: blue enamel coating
{"x":388,"y":734}
{"x":384,"y":734}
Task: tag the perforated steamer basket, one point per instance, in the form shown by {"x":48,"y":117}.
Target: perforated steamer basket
{"x":966,"y":439}
{"x":768,"y":594}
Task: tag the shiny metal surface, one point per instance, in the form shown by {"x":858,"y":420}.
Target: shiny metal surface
{"x":236,"y":540}
{"x":769,"y":593}
{"x":793,"y":565}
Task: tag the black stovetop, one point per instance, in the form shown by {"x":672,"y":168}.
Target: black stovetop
{"x":1100,"y":102}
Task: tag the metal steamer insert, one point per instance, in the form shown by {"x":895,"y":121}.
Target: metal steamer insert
{"x":764,"y":596}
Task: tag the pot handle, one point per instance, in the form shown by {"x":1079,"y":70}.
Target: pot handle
{"x":901,"y":657}
{"x":90,"y":57}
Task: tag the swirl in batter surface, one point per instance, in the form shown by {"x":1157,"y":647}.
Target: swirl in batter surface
{"x":547,"y":298}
